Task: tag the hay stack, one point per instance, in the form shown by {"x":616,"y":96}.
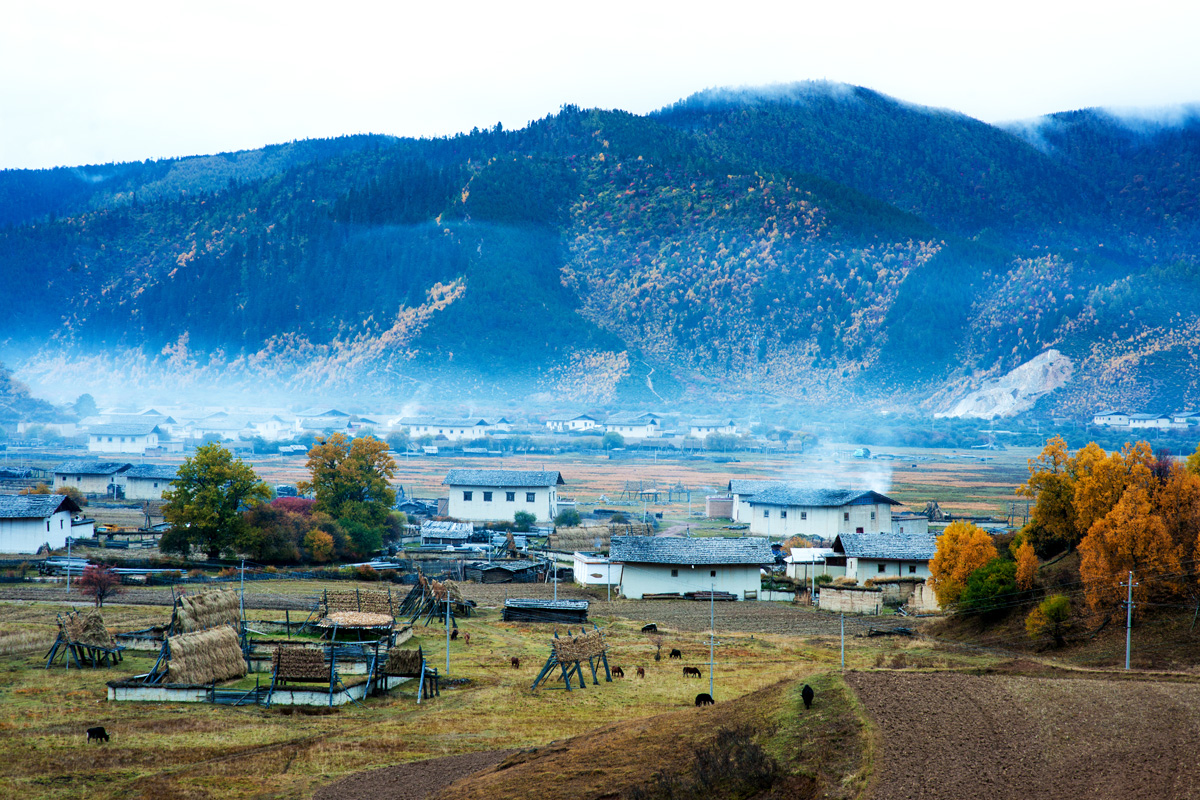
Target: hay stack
{"x":205,"y":657}
{"x":299,"y":664}
{"x":579,"y":648}
{"x":439,"y":590}
{"x":87,"y":629}
{"x":372,"y":601}
{"x":207,"y":610}
{"x":403,"y":662}
{"x":356,"y":619}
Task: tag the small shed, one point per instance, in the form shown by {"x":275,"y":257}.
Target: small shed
{"x":518,"y":571}
{"x":558,"y":611}
{"x":439,"y":532}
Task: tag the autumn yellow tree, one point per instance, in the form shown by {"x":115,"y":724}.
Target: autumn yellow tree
{"x":1027,"y":564}
{"x":1193,"y":462}
{"x":1052,"y":486}
{"x":961,"y":549}
{"x":1101,"y":480}
{"x":1130,"y":537}
{"x":1050,"y":617}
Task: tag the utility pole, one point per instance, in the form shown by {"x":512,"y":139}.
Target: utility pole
{"x":843,"y":640}
{"x":242,"y":592}
{"x":447,"y":600}
{"x":69,"y":540}
{"x":712,"y":633}
{"x":1129,"y":617}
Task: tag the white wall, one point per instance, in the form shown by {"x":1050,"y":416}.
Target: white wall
{"x":805,"y":572}
{"x":587,"y":566}
{"x":544,"y":504}
{"x":27,"y":535}
{"x":639,"y":579}
{"x":145,"y":488}
{"x":865,"y":568}
{"x":88,"y":484}
{"x":103,"y":443}
{"x":768,"y":520}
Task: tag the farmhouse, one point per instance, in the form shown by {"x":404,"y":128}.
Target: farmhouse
{"x":910,"y":523}
{"x":634,"y":425}
{"x":29,"y":520}
{"x":668,"y":565}
{"x":875,"y":555}
{"x":1111,"y":417}
{"x":146,"y":481}
{"x":440,"y":532}
{"x":575,"y":424}
{"x":699,"y":428}
{"x":1149,"y":420}
{"x":89,"y":477}
{"x":592,"y":569}
{"x":742,"y":492}
{"x":452,"y":429}
{"x":497,"y":494}
{"x":518,"y":571}
{"x":124,"y":437}
{"x":805,"y":563}
{"x":793,"y":511}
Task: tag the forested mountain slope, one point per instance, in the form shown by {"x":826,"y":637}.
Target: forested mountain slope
{"x":814,"y":243}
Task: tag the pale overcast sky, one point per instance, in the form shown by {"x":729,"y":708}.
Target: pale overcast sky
{"x":92,"y":82}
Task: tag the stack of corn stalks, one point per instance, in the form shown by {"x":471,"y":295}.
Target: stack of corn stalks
{"x":403,"y":662}
{"x":579,"y":648}
{"x":299,"y":664}
{"x":205,"y":657}
{"x":87,"y":629}
{"x":207,"y":610}
{"x":356,"y":619}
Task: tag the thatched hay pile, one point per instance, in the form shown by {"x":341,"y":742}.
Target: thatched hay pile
{"x":372,"y":601}
{"x":597,"y":537}
{"x":207,"y":610}
{"x":356,"y":619}
{"x":439,"y":590}
{"x":87,"y":629}
{"x":403,"y":662}
{"x":205,"y":656}
{"x":299,"y":664}
{"x":579,"y":648}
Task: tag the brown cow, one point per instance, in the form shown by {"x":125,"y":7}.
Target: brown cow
{"x":467,"y":639}
{"x":516,"y":663}
{"x":691,"y":671}
{"x":641,"y":673}
{"x":617,"y":672}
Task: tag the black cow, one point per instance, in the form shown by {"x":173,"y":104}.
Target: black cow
{"x":675,"y":654}
{"x":97,"y":733}
{"x":704,"y":700}
{"x":651,"y":628}
{"x":807,"y":694}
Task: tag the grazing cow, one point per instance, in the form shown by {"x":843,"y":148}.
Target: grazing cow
{"x":516,"y":662}
{"x":676,"y":654}
{"x":617,"y":672}
{"x":99,"y":734}
{"x":704,"y":700}
{"x":467,"y":639}
{"x":454,"y":635}
{"x":651,"y":628}
{"x":641,"y":673}
{"x":807,"y":694}
{"x":690,"y":671}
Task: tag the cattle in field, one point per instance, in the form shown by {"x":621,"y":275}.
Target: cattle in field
{"x":641,"y":673}
{"x":692,"y":672}
{"x":807,"y":694}
{"x":617,"y":672}
{"x":704,"y":700}
{"x":454,"y":635}
{"x":676,"y":654}
{"x":516,"y":663}
{"x":97,"y":733}
{"x":467,"y":639}
{"x":651,"y":628}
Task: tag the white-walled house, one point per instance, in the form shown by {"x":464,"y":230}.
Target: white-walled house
{"x":1111,"y":417}
{"x":124,"y":437}
{"x":1158,"y":421}
{"x":592,"y":569}
{"x":89,"y":477}
{"x":634,"y":424}
{"x":27,"y":521}
{"x":452,"y":429}
{"x":743,"y":491}
{"x":575,"y":424}
{"x":699,"y":428}
{"x":909,"y":523}
{"x":665,"y":565}
{"x":885,"y":555}
{"x":806,"y":563}
{"x":783,"y":511}
{"x":147,"y":481}
{"x":481,"y":495}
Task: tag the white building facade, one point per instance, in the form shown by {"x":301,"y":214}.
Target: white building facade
{"x":124,"y":438}
{"x":669,"y":565}
{"x":30,"y":520}
{"x":483,"y":495}
{"x":783,"y":511}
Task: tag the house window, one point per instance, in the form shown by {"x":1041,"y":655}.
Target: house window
{"x":487,"y":497}
{"x":783,"y":515}
{"x":912,"y":569}
{"x":766,"y":513}
{"x":467,"y":496}
{"x":47,"y":525}
{"x":156,"y":484}
{"x":845,"y":516}
{"x":872,"y":516}
{"x":510,"y":496}
{"x":78,"y":479}
{"x":674,"y":573}
{"x":531,"y":497}
{"x":882,"y":567}
{"x":803,"y":515}
{"x":110,"y":438}
{"x":858,"y":530}
{"x":712,"y":573}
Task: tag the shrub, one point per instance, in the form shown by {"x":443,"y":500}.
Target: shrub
{"x":567,"y":518}
{"x":990,"y":589}
{"x":619,"y":519}
{"x":524,"y":520}
{"x":366,"y":573}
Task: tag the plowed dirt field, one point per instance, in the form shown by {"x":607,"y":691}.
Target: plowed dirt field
{"x":960,"y":737}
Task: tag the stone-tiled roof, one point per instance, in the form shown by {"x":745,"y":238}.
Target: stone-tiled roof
{"x":887,"y":546}
{"x":784,"y":495}
{"x":502,"y":478}
{"x":162,"y":472}
{"x":700,"y":550}
{"x":444,"y":529}
{"x":633,"y":418}
{"x":34,"y":506}
{"x":91,"y":467}
{"x":124,"y":429}
{"x":748,"y":488}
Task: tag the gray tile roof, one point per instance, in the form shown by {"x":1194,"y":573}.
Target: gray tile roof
{"x":701,"y":550}
{"x":784,"y":495}
{"x":887,"y":546}
{"x":34,"y":506}
{"x":747,"y":488}
{"x":571,"y":605}
{"x":91,"y":467}
{"x":153,"y":472}
{"x":502,"y":478}
{"x":124,"y":429}
{"x":633,"y":418}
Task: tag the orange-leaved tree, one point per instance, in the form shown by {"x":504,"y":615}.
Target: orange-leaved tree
{"x":1131,"y":537}
{"x":1052,"y":484}
{"x":1027,"y":564}
{"x":961,"y":549}
{"x":1101,"y":480}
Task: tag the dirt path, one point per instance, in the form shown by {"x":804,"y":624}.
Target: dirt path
{"x":413,"y":781}
{"x":960,"y":737}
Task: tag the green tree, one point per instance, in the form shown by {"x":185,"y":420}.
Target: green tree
{"x":1193,"y":462}
{"x":961,"y":549}
{"x":990,"y":588}
{"x":205,"y":502}
{"x":524,"y":520}
{"x":1051,"y":617}
{"x":399,"y":440}
{"x":350,"y":480}
{"x":567,"y":518}
{"x":85,"y":406}
{"x":612,"y":440}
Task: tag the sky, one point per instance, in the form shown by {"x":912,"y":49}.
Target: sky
{"x":89,"y":82}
